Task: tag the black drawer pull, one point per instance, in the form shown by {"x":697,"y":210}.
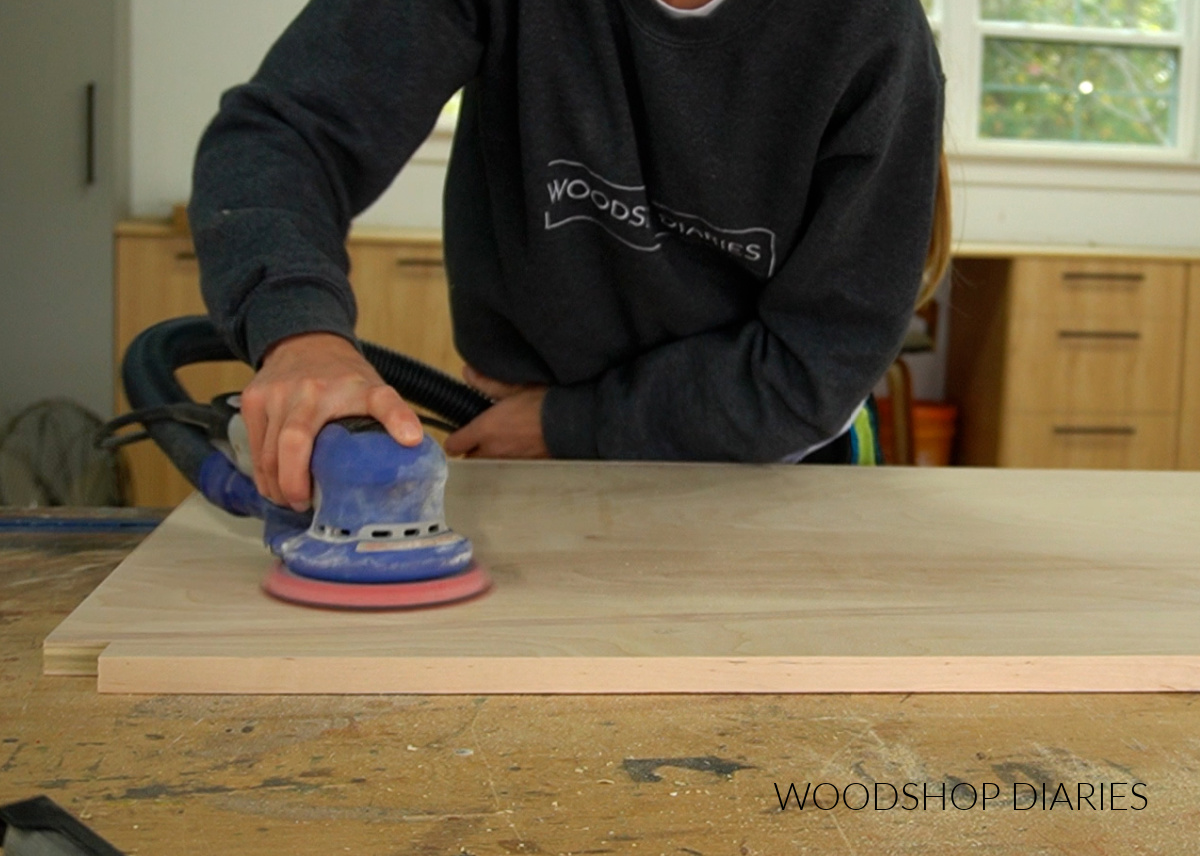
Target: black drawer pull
{"x":1081,"y":278}
{"x":185,"y":257}
{"x":1095,"y":430}
{"x":89,"y":164}
{"x":1103,"y":335}
{"x":418,"y":263}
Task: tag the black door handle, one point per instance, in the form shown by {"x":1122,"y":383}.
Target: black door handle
{"x":90,"y":131}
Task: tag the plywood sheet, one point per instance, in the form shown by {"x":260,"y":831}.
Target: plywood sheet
{"x":699,"y":578}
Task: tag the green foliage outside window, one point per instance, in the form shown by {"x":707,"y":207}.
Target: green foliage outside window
{"x":1079,"y":92}
{"x":1075,"y":90}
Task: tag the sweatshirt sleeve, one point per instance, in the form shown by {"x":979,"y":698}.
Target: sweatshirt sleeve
{"x":340,"y":104}
{"x":829,"y":322}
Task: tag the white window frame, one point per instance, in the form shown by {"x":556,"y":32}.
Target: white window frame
{"x":961,"y":35}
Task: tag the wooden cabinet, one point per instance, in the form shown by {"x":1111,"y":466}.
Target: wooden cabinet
{"x":398,"y":281}
{"x":400,"y":286}
{"x":1070,"y":361}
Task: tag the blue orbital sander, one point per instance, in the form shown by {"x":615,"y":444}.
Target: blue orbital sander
{"x":376,"y":537}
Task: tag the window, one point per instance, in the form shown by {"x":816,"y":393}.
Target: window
{"x":1110,"y":76}
{"x":933,"y":8}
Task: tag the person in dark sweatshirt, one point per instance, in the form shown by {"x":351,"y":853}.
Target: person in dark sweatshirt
{"x":674,"y":229}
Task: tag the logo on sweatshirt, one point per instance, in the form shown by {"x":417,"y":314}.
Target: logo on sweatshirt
{"x":578,"y":195}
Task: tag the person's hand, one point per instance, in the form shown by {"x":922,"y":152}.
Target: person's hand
{"x":305,"y":382}
{"x":510,"y":428}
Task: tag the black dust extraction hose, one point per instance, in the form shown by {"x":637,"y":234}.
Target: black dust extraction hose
{"x":148,"y":372}
{"x":432,"y":390}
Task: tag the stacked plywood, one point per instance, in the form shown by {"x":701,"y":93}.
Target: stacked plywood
{"x":699,"y":578}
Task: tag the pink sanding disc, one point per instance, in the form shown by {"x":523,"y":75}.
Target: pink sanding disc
{"x":283,"y":584}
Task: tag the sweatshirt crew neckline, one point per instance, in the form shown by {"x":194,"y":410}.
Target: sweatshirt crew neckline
{"x":724,"y":22}
{"x":697,"y":12}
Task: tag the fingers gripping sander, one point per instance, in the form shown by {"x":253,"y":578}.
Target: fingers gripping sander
{"x":376,"y":537}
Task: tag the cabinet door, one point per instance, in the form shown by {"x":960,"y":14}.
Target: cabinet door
{"x":403,"y":303}
{"x":157,"y":279}
{"x":59,"y":187}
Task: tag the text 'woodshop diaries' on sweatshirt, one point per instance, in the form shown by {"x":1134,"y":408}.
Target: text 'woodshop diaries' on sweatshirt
{"x":705,"y":233}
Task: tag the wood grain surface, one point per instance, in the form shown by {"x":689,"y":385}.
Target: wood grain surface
{"x":505,"y":775}
{"x":617,"y":578}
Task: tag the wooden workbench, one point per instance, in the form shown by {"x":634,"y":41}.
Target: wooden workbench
{"x":550,"y":775}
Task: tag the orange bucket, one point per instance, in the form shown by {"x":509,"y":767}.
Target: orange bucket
{"x":934,"y":424}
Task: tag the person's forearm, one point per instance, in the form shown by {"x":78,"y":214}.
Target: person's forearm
{"x":338,"y":106}
{"x":738,"y":396}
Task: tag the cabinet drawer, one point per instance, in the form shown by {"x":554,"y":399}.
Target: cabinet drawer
{"x":403,"y":302}
{"x":1083,"y":289}
{"x":1061,"y":442}
{"x":1106,"y":365}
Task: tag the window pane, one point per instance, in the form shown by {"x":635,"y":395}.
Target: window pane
{"x":450,"y":108}
{"x":1144,"y":15}
{"x":1079,"y":92}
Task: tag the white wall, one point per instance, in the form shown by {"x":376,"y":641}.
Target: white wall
{"x":184,"y":54}
{"x":1061,"y":202}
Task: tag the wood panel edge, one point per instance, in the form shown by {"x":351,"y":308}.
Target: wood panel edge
{"x":72,"y":660}
{"x":138,"y":668}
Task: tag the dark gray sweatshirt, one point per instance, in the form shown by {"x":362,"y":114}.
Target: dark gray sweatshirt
{"x":705,"y":234}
